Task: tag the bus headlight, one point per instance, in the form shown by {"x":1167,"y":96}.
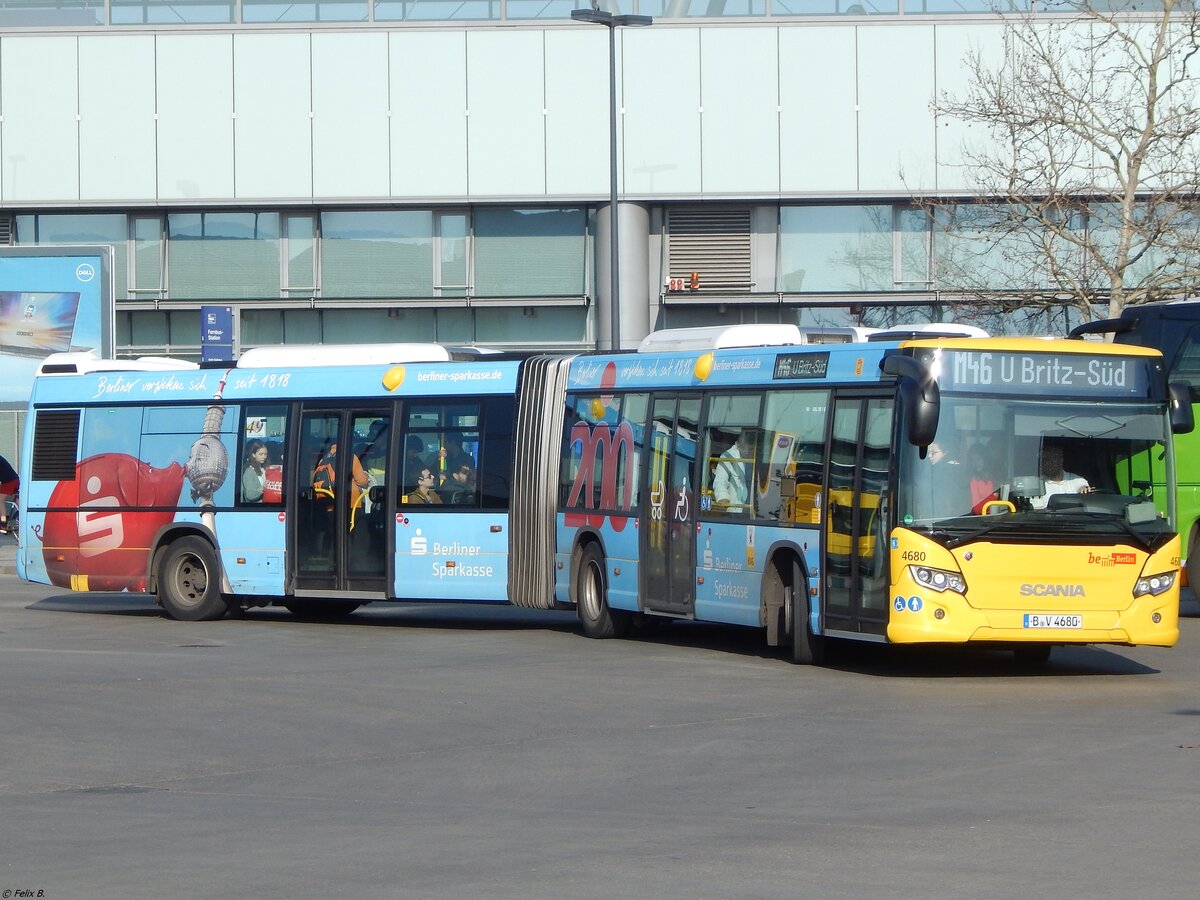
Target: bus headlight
{"x":1154,"y":584}
{"x":938,"y":579}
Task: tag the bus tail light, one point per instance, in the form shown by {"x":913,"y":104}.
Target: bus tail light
{"x":938,"y":579}
{"x":1154,"y":584}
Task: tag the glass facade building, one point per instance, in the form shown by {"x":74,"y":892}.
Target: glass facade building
{"x":358,"y":170}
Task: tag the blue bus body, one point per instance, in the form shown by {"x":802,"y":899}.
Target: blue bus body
{"x":141,"y":443}
{"x":719,"y":575}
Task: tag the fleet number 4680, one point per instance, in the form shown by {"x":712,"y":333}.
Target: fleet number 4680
{"x":913,"y":555}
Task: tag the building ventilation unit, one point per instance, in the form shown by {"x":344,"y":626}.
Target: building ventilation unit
{"x":709,"y":249}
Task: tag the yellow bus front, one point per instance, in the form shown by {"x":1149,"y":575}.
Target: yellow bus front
{"x":1018,"y":593}
{"x":1046,"y":516}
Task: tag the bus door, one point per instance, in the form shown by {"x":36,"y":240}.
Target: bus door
{"x":856,"y":503}
{"x":668,"y":529}
{"x":451,"y":527}
{"x":340,"y":521}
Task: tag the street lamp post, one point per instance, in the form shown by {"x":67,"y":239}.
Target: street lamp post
{"x":612,"y":23}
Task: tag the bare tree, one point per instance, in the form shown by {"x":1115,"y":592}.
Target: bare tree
{"x":1084,"y":189}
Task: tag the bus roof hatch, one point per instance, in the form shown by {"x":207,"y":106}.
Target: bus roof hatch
{"x":716,"y":337}
{"x":78,"y":362}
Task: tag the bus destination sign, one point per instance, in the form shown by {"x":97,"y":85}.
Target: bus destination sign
{"x":802,"y":365}
{"x":1068,"y":373}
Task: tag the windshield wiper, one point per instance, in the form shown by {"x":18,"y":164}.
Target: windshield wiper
{"x":1143,"y":542}
{"x":978,"y":532}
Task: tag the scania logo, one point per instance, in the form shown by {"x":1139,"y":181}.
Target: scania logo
{"x":1052,"y":590}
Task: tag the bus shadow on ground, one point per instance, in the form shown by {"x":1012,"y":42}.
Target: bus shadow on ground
{"x":473,"y":616}
{"x":892,"y":661}
{"x":439,"y":616}
{"x":959,"y":662}
{"x":111,"y":604}
{"x":896,"y":661}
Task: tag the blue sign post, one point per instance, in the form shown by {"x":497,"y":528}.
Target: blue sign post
{"x":216,"y":334}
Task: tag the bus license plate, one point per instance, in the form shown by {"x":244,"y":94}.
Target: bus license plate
{"x":1042,"y":620}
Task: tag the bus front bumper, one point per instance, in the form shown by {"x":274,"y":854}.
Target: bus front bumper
{"x":949,"y":618}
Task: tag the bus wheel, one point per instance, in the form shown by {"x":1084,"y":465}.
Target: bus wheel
{"x":591,"y":598}
{"x":189,"y":581}
{"x":808,"y":649}
{"x":321,"y":610}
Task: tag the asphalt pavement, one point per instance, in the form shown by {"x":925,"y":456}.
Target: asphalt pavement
{"x":432,"y":751}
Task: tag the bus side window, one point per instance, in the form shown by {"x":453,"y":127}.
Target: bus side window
{"x":792,"y":457}
{"x":718,"y":444}
{"x":495,"y":453}
{"x":260,"y":466}
{"x":729,"y":474}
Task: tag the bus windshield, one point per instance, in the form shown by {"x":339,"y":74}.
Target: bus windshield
{"x":1011,"y":468}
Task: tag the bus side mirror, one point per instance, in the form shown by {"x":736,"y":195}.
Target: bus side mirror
{"x":1182,"y":419}
{"x":921,"y":399}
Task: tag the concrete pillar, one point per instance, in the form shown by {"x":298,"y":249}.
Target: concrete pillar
{"x":633,"y":230}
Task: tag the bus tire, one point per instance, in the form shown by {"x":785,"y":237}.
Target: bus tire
{"x":808,"y":649}
{"x":321,"y":610}
{"x":189,"y":581}
{"x":591,"y":598}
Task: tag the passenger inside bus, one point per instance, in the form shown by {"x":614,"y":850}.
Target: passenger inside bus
{"x":984,"y":474}
{"x":460,"y":486}
{"x":948,"y":489}
{"x":373,"y":450}
{"x":325,"y":474}
{"x":423,"y":492}
{"x":254,"y":476}
{"x":938,"y":454}
{"x":414,"y":459}
{"x":453,"y":456}
{"x":734,"y":472}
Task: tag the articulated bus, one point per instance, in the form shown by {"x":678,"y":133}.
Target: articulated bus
{"x":1173,"y":328}
{"x":742,"y":476}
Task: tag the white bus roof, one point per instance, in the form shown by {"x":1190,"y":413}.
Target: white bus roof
{"x":81,"y":361}
{"x":286,"y":356}
{"x":717,"y":336}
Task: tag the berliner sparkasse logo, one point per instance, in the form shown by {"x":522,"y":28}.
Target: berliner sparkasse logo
{"x":85,"y":272}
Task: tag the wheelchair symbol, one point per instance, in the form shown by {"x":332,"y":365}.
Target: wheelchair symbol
{"x":681,"y":505}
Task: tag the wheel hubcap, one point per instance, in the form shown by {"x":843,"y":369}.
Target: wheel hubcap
{"x":191,"y":580}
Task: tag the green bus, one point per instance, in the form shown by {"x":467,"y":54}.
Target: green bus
{"x":1173,"y":328}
